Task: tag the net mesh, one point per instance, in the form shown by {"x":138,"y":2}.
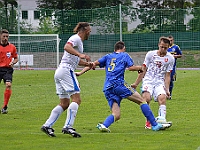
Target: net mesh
{"x":140,"y":30}
{"x":36,"y":51}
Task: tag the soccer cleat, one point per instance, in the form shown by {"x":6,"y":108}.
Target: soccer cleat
{"x":71,"y":131}
{"x":147,"y":125}
{"x":157,"y":127}
{"x":160,"y":126}
{"x":49,"y":131}
{"x":4,"y":110}
{"x":102,"y":128}
{"x":166,"y":125}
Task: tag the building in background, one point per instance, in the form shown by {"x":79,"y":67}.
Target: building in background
{"x":29,"y":13}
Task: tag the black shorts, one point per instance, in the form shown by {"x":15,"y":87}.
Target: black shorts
{"x":6,"y":74}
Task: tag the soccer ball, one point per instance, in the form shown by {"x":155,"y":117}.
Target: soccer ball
{"x":160,"y":119}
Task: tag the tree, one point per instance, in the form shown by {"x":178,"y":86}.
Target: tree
{"x":67,"y":13}
{"x":194,"y":23}
{"x":162,"y":16}
{"x":80,"y":4}
{"x":8,"y":14}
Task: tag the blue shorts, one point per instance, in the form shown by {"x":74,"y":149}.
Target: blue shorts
{"x":116,"y":94}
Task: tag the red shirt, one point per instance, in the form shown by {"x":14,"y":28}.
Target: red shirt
{"x":7,"y":53}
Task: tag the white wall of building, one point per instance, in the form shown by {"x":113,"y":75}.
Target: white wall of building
{"x":30,"y":6}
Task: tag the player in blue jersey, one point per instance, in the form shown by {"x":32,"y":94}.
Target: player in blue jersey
{"x":177,"y":53}
{"x":116,"y":89}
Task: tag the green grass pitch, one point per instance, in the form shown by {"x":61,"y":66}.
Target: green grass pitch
{"x":34,"y":97}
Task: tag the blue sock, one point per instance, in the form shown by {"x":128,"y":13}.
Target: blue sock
{"x":109,"y":120}
{"x":148,"y":114}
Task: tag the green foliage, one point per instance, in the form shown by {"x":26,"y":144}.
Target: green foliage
{"x":80,"y":4}
{"x":34,"y":97}
{"x":46,"y":26}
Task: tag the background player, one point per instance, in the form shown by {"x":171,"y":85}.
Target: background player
{"x":8,"y":57}
{"x":177,"y":53}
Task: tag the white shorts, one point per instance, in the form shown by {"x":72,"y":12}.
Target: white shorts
{"x":66,"y":82}
{"x":154,"y":90}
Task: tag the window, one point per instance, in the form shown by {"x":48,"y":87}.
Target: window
{"x":36,"y":15}
{"x":25,"y":14}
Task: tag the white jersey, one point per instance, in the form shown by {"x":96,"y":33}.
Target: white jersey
{"x":157,"y":67}
{"x":71,"y":61}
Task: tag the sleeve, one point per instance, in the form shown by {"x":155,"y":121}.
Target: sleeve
{"x":171,"y":64}
{"x":72,"y":40}
{"x":130,"y":61}
{"x":147,"y":59}
{"x":14,"y":55}
{"x":102,"y":61}
{"x":178,"y":50}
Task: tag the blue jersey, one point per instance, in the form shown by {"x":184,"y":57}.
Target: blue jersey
{"x":115,"y":65}
{"x":175,"y":50}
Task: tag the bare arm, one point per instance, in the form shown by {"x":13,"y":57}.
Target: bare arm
{"x":167,"y":83}
{"x":139,"y":78}
{"x":92,"y":65}
{"x":84,"y":70}
{"x":12,"y":63}
{"x":68,"y":47}
{"x":177,"y":56}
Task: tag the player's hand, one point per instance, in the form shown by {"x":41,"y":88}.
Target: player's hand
{"x":168,"y":94}
{"x":84,"y":56}
{"x":77,"y":73}
{"x":11,"y":64}
{"x":134,"y":85}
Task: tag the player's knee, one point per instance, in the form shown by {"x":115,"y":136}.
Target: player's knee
{"x":8,"y":85}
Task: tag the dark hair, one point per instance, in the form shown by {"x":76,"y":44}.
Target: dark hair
{"x":164,"y":39}
{"x":170,"y":36}
{"x":119,"y":45}
{"x":81,"y":26}
{"x":4,"y":31}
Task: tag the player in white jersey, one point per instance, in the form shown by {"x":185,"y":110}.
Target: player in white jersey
{"x":67,"y":86}
{"x":156,"y":79}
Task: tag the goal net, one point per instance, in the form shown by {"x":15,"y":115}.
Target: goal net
{"x":36,"y":51}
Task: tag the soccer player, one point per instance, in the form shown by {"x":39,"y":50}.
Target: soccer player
{"x":67,"y":86}
{"x":177,"y":53}
{"x":158,"y":65}
{"x":8,"y":57}
{"x":116,"y":89}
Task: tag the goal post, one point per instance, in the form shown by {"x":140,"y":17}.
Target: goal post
{"x":36,"y":51}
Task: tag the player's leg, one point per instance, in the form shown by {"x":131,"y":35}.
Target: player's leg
{"x":71,"y":115}
{"x":71,"y":84}
{"x":55,"y":114}
{"x":114,"y":103}
{"x":160,"y":96}
{"x":171,"y":86}
{"x":7,"y":77}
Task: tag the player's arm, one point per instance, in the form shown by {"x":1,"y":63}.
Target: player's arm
{"x":88,"y":66}
{"x":69,"y":48}
{"x":167,"y":83}
{"x":178,"y":52}
{"x":177,"y":56}
{"x":139,"y":77}
{"x":84,"y":70}
{"x":135,"y":68}
{"x":15,"y":60}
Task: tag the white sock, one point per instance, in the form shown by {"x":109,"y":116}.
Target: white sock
{"x":55,"y":113}
{"x":71,"y":114}
{"x":162,"y":111}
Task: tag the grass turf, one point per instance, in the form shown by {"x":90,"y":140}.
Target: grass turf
{"x":34,"y":97}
